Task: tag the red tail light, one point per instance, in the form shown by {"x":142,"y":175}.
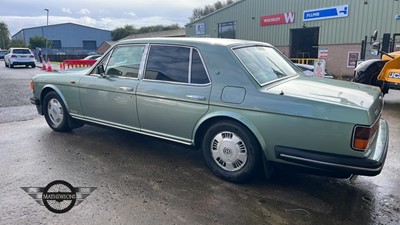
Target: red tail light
{"x":31,"y":56}
{"x":362,"y":136}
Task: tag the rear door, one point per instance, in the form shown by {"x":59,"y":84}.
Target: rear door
{"x":174,"y":93}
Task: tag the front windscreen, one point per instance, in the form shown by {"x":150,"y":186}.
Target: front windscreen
{"x":265,"y":64}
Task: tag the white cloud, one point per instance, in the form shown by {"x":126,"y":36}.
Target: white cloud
{"x":66,"y":10}
{"x":84,"y":12}
{"x":104,"y":14}
{"x":130,"y":14}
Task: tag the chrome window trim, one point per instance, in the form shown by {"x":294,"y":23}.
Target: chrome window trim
{"x":190,"y":66}
{"x":247,"y":69}
{"x":107,"y":59}
{"x":190,"y":63}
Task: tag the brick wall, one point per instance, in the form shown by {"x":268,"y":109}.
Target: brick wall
{"x":337,"y":58}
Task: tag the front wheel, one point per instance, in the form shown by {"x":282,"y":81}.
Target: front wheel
{"x":231,"y":151}
{"x":55,"y":112}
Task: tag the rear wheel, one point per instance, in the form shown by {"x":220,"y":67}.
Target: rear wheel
{"x":55,"y":112}
{"x":231,"y":151}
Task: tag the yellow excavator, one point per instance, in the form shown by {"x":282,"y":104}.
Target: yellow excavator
{"x":384,"y":72}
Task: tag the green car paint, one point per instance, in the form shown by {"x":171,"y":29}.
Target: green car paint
{"x":314,"y":116}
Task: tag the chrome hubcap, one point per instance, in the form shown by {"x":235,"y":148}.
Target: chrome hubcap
{"x":229,"y":151}
{"x":55,"y":111}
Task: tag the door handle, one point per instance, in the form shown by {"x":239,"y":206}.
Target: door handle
{"x":126,"y":88}
{"x":196,"y":97}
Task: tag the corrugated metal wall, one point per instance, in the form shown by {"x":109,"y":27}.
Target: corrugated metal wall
{"x":363,"y":19}
{"x":71,"y":35}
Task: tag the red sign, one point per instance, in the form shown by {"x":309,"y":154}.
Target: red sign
{"x":283,"y":18}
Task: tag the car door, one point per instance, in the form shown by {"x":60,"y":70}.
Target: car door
{"x":174,"y":93}
{"x":109,"y":98}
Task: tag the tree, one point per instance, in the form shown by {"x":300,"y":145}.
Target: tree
{"x":128,"y":30}
{"x":4,"y":36}
{"x":37,"y":42}
{"x":200,"y":12}
{"x":18,"y":43}
{"x":122,"y":32}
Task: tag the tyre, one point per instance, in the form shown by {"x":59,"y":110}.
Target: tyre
{"x":33,"y":65}
{"x":5,"y":63}
{"x":11,"y":65}
{"x":55,"y":112}
{"x":231,"y":151}
{"x":371,"y":78}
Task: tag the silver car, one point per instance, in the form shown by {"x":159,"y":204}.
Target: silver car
{"x":19,"y":56}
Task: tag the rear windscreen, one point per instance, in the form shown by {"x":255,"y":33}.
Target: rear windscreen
{"x":21,"y":51}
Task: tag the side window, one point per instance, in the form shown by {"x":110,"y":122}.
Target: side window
{"x":168,"y":63}
{"x":125,"y":61}
{"x":198,"y":73}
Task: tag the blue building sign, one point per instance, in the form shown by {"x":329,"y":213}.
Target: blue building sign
{"x":200,"y":28}
{"x":326,"y":13}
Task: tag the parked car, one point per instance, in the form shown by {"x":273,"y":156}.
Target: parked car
{"x":19,"y":56}
{"x":243,"y":103}
{"x":2,"y":53}
{"x":309,"y":70}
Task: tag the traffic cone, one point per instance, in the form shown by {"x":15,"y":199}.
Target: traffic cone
{"x":44,"y":67}
{"x":49,"y":67}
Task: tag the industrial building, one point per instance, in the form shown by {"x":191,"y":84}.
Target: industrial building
{"x":337,"y":31}
{"x":67,"y":38}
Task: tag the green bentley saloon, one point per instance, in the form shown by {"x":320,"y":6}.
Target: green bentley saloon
{"x":242,"y":103}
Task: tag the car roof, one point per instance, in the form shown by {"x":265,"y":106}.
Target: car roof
{"x":194,"y":41}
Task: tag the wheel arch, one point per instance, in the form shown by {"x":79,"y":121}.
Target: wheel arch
{"x":215,"y":117}
{"x":48,"y":88}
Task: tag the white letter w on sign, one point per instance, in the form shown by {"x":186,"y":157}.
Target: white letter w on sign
{"x":289,"y":17}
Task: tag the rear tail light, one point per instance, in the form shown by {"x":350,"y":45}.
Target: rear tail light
{"x":363,"y":136}
{"x":31,"y":56}
{"x":13,"y":56}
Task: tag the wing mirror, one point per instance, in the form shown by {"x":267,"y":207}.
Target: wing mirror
{"x":374,"y":36}
{"x":100,"y":70}
{"x":375,"y":48}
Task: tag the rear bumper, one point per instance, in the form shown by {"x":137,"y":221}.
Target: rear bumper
{"x":16,"y":63}
{"x":36,"y":102}
{"x":339,"y":164}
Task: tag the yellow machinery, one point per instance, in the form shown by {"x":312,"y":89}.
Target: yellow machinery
{"x":384,"y":73}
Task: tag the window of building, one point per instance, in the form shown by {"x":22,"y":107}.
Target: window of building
{"x":56,"y":44}
{"x":227,"y":30}
{"x":125,"y":61}
{"x":89,"y":45}
{"x":168,"y":63}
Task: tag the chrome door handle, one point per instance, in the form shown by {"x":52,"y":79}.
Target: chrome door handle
{"x":196,"y":97}
{"x":126,"y":88}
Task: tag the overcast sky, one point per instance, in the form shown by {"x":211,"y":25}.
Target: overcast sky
{"x":103,"y":14}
